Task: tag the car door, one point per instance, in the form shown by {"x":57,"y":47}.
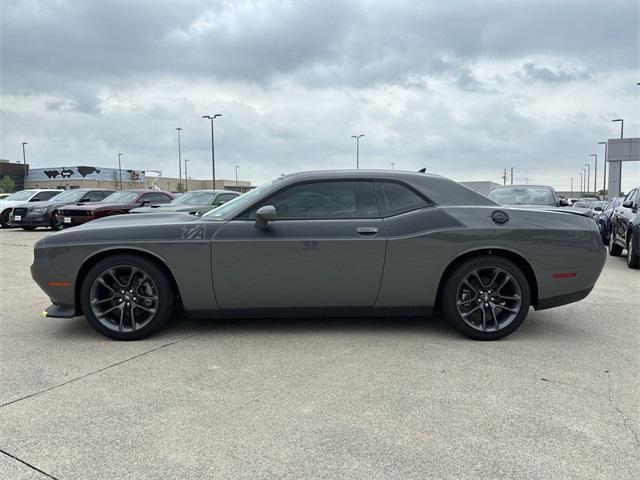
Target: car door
{"x":624,"y":213}
{"x":326,"y":248}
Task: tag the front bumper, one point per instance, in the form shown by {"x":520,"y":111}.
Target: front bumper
{"x":31,"y":219}
{"x":72,"y":221}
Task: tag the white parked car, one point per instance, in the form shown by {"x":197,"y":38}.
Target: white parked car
{"x":34,"y":195}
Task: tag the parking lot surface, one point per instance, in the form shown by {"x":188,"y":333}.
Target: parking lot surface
{"x":319,"y":398}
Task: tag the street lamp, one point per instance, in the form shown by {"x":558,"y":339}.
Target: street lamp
{"x":581,"y":179}
{"x":120,"y":170}
{"x":621,"y":120}
{"x":392,"y":165}
{"x":357,"y":137}
{"x":186,"y":176}
{"x":604,"y":182}
{"x":237,"y":167}
{"x":595,"y":174}
{"x":179,"y":158}
{"x":24,"y":161}
{"x":571,"y":195}
{"x":586,"y":185}
{"x":213,"y":152}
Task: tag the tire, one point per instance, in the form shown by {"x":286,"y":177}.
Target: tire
{"x":29,"y":229}
{"x":113,"y":317}
{"x":55,"y":224}
{"x":633,"y":256}
{"x":509,"y":304}
{"x":4,"y":219}
{"x":615,"y":250}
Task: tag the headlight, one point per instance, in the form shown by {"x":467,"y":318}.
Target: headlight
{"x":39,"y":209}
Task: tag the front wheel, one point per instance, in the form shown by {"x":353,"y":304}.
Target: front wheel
{"x":615,"y":250}
{"x":126,"y":297}
{"x":633,"y":256}
{"x":486,"y":298}
{"x":4,"y":219}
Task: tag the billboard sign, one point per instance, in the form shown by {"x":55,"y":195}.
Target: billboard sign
{"x":81,"y":172}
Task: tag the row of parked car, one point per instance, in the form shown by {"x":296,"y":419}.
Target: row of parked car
{"x":618,"y":219}
{"x":57,"y":209}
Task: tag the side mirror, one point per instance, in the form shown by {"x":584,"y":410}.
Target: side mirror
{"x":264,"y":215}
{"x":34,"y":200}
{"x":598,"y":209}
{"x":628,"y":204}
{"x":144,"y":203}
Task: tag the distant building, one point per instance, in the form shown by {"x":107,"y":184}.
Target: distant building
{"x":83,"y":176}
{"x":15,"y":171}
{"x":483,"y":187}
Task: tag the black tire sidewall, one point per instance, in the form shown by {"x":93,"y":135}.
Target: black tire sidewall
{"x":165,"y":295}
{"x":4,"y":219}
{"x":633,"y":256}
{"x":450,"y":290}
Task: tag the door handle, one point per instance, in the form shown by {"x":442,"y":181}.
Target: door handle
{"x":367,"y":231}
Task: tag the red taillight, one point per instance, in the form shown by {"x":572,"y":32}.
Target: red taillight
{"x":565,"y":275}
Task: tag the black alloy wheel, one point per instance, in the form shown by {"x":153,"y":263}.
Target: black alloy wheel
{"x":615,"y":250}
{"x":126,"y":297}
{"x":4,"y":219}
{"x":633,"y":256}
{"x":486,"y":298}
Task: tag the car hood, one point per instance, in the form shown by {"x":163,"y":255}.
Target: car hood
{"x":167,"y":207}
{"x":15,"y":203}
{"x":100,"y":205}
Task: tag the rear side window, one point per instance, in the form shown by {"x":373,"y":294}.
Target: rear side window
{"x":225,"y":197}
{"x":156,"y":198}
{"x":394,"y":198}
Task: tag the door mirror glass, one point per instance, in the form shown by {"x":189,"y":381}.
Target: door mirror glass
{"x":628,"y":204}
{"x":264,"y":215}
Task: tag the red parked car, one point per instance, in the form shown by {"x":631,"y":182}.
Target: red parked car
{"x":115,"y":204}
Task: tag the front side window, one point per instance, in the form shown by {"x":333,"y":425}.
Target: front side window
{"x":324,"y":200}
{"x":394,"y":198}
{"x":156,"y":198}
{"x":122,"y":197}
{"x":632,"y":197}
{"x":194,"y":198}
{"x":44,"y":196}
{"x":225,"y":197}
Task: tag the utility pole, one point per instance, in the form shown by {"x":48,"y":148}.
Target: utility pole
{"x":24,"y":161}
{"x":595,"y":174}
{"x":511,"y":175}
{"x":237,"y":166}
{"x":213,"y":150}
{"x":504,"y":177}
{"x":357,"y":137}
{"x":588,"y":181}
{"x":581,"y":177}
{"x":186,"y":176}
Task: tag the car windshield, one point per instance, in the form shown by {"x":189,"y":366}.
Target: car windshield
{"x":599,"y":204}
{"x":239,"y":202}
{"x":582,"y":204}
{"x":121,"y":197}
{"x":194,"y":198}
{"x":70,"y":196}
{"x":19,"y":196}
{"x":523,"y":196}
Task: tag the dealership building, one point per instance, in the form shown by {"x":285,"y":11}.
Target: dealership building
{"x":82,"y":176}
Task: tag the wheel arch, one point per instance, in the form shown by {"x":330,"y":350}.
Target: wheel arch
{"x":515,"y":257}
{"x":90,"y":261}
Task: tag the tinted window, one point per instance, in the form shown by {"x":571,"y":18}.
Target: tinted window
{"x":92,"y":197}
{"x":394,"y":198}
{"x":44,"y":196}
{"x":225,"y":197}
{"x":325,"y":200}
{"x":156,"y":198}
{"x":523,"y":196}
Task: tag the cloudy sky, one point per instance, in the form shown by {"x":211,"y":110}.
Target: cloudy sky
{"x":463,"y":88}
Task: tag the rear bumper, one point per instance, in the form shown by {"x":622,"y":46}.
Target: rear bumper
{"x":565,"y":299}
{"x":58,"y":310}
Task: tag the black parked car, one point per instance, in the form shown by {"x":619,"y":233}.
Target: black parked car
{"x":30,"y":216}
{"x":625,"y":229}
{"x":604,"y":219}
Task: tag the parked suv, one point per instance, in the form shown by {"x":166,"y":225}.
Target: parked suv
{"x":30,"y":216}
{"x":625,"y":229}
{"x":18,"y":198}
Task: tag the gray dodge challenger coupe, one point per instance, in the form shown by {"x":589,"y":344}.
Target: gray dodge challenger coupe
{"x":325,"y":243}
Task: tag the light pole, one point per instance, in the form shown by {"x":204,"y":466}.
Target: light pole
{"x":357,"y":137}
{"x":581,"y":178}
{"x":237,"y":167}
{"x":120,"y":170}
{"x":186,"y":176}
{"x":392,"y":165}
{"x":213,"y":152}
{"x":586,"y":184}
{"x":604,"y":182}
{"x":179,"y":159}
{"x":621,"y":120}
{"x":595,"y":174}
{"x":24,"y":161}
{"x":571,"y":195}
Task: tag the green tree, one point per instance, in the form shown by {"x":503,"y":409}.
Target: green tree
{"x":7,"y":185}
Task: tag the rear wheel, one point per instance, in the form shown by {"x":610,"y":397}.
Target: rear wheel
{"x":633,"y":256}
{"x":615,"y":250}
{"x":486,"y":298}
{"x":125,"y":297}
